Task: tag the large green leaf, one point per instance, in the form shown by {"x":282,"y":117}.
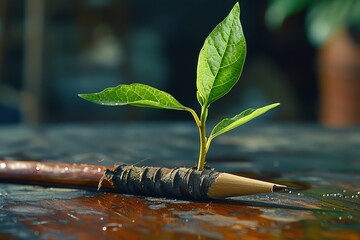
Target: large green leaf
{"x":221,"y":59}
{"x":228,"y":124}
{"x":135,"y":94}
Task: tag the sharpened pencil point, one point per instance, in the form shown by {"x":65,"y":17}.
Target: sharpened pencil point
{"x":279,"y":188}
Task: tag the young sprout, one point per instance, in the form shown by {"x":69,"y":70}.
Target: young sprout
{"x":220,"y":64}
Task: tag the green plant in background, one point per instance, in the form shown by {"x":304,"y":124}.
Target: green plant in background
{"x":220,"y":65}
{"x":323,"y":17}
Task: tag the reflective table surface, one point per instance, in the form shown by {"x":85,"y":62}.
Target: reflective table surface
{"x":322,"y":164}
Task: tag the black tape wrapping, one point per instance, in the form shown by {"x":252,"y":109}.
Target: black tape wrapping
{"x":184,"y":183}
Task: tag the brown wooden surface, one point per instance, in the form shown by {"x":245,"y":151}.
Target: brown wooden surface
{"x":322,"y":164}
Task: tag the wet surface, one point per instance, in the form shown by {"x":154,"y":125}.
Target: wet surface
{"x":323,"y":165}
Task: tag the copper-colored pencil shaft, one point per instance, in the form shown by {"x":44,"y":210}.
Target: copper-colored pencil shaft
{"x":149,"y":181}
{"x":47,"y":173}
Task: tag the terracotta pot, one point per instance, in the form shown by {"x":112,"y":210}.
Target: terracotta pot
{"x":339,"y":75}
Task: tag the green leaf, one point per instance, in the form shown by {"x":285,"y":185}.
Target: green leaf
{"x":228,"y":124}
{"x":221,"y":59}
{"x":135,"y":94}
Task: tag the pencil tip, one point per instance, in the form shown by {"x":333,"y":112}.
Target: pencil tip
{"x":278,"y":188}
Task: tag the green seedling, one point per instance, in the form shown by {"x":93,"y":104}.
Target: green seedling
{"x":220,"y":65}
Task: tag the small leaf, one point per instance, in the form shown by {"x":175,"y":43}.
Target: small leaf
{"x":135,"y":94}
{"x":228,"y":124}
{"x":221,"y":59}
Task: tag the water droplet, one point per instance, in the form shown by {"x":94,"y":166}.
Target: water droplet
{"x":101,"y":218}
{"x":3,"y":165}
{"x":99,"y":169}
{"x":112,"y":226}
{"x":66,"y":169}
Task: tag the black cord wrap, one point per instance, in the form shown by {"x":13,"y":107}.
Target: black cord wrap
{"x":185,"y":183}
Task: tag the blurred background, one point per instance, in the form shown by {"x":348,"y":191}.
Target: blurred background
{"x":304,"y":54}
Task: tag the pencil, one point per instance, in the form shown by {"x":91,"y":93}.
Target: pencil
{"x":184,"y":183}
{"x":52,"y":173}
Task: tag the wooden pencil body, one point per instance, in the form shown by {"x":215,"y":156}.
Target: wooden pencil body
{"x":184,"y":183}
{"x":229,"y":185}
{"x":52,"y":173}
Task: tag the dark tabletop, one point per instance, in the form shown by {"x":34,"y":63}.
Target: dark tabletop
{"x":323,"y":164}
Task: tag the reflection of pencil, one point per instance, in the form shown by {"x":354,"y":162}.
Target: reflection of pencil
{"x":149,"y":181}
